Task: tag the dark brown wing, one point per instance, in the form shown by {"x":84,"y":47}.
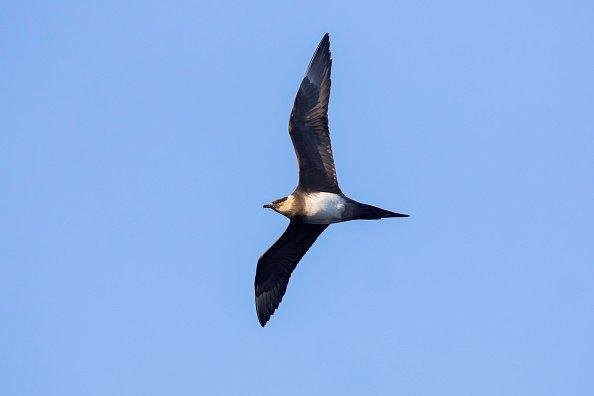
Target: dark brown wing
{"x":276,"y":265}
{"x":308,"y":125}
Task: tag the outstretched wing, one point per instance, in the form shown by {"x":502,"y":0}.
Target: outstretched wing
{"x":308,"y":125}
{"x":276,"y":265}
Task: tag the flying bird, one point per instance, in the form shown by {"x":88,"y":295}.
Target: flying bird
{"x":317,"y":201}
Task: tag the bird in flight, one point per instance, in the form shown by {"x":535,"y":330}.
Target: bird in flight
{"x":317,"y":201}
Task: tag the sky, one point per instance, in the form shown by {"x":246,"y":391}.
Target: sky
{"x":140,"y":140}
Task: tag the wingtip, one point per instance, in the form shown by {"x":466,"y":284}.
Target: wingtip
{"x":325,"y":41}
{"x":324,"y":45}
{"x":261,"y":318}
{"x":320,"y":62}
{"x":263,"y":309}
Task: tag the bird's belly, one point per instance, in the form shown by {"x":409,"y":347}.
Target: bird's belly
{"x":324,"y":208}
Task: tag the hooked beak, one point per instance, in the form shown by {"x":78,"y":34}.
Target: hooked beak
{"x":269,"y":206}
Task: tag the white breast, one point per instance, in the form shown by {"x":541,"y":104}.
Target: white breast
{"x":324,"y":208}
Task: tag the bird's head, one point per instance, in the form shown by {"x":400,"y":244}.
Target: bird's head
{"x":283,"y":205}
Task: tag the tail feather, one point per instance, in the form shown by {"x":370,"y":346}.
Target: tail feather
{"x":370,"y":212}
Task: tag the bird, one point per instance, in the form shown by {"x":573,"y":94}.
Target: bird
{"x":317,"y":200}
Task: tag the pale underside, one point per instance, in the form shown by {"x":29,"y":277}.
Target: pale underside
{"x":318,"y":208}
{"x":324,"y":208}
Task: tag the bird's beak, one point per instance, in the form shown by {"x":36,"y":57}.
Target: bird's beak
{"x":269,"y":206}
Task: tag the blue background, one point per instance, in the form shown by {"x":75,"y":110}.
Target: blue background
{"x":139,"y":142}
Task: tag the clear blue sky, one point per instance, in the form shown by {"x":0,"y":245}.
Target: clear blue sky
{"x":139,"y":142}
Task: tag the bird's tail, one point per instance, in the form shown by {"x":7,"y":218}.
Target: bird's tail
{"x":370,"y":212}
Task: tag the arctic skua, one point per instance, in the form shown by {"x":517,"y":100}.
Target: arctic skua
{"x":317,"y":201}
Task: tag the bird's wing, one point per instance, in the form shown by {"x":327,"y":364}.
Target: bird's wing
{"x":276,"y":265}
{"x":308,"y":125}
